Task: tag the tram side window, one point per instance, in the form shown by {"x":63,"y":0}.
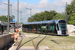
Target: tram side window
{"x":27,"y":27}
{"x":38,"y":27}
{"x":0,"y":27}
{"x":50,"y":27}
{"x":23,"y":27}
{"x":57,"y":27}
{"x":44,"y":27}
{"x":33,"y":27}
{"x":30,"y":27}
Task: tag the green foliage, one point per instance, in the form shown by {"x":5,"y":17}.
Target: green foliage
{"x":5,"y":19}
{"x":59,"y":16}
{"x":71,"y":8}
{"x":11,"y":19}
{"x":70,"y":12}
{"x":46,"y":15}
{"x":72,"y":19}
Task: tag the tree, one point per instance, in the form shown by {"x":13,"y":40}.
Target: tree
{"x":71,"y":10}
{"x":11,"y":19}
{"x":3,"y":18}
{"x":43,"y":16}
{"x":72,"y":19}
{"x":59,"y":16}
{"x":51,"y":15}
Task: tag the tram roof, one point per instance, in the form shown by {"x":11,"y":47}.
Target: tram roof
{"x":42,"y":22}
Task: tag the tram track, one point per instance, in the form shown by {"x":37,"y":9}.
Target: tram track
{"x":19,"y":43}
{"x":36,"y":47}
{"x":19,"y":46}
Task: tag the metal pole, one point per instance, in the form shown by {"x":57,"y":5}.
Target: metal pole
{"x":17,"y":11}
{"x":8,"y":15}
{"x":30,"y":14}
{"x":20,"y":16}
{"x":11,"y":10}
{"x":66,"y":13}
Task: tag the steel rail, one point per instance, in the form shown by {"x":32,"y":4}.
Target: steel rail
{"x":26,"y":42}
{"x":19,"y":43}
{"x":37,"y":47}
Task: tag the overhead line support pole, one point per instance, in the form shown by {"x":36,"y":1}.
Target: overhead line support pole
{"x":18,"y":11}
{"x":66,"y":14}
{"x":8,"y":15}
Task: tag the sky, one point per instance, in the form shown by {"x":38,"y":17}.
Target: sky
{"x":37,"y":6}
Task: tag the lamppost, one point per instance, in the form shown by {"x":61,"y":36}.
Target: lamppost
{"x":30,"y":12}
{"x":8,"y":15}
{"x":11,"y":7}
{"x":18,"y":11}
{"x":20,"y":15}
{"x":21,"y":20}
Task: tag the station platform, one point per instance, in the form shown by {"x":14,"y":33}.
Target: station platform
{"x":4,"y":40}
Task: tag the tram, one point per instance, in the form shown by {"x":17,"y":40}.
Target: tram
{"x":53,"y":27}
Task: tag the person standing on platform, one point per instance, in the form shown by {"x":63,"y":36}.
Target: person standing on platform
{"x":16,"y":30}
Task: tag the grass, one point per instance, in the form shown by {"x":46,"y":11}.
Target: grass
{"x":53,"y":42}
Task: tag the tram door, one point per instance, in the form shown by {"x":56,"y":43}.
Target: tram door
{"x":26,"y":28}
{"x":34,"y":28}
{"x":38,"y":29}
{"x":58,"y":30}
{"x":23,"y":27}
{"x":51,"y":29}
{"x":30,"y":28}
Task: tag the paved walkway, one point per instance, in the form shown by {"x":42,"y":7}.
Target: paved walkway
{"x":30,"y":48}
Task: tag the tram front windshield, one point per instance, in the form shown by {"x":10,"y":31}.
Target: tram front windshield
{"x":62,"y":26}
